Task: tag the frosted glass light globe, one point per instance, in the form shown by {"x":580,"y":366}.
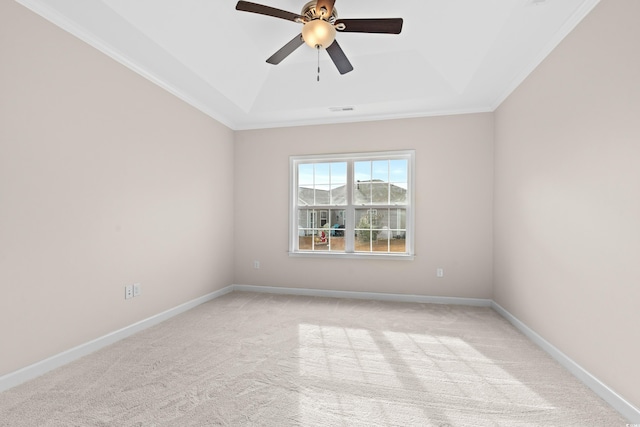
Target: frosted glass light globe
{"x":318,"y":33}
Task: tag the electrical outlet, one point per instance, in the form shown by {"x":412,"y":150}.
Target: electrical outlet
{"x":128,"y":291}
{"x":137,"y":289}
{"x":256,"y":265}
{"x":439,"y":272}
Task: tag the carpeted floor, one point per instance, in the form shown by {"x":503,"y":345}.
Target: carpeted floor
{"x":271,"y":360}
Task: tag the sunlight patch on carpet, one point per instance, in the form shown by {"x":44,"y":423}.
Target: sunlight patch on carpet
{"x":362,"y":374}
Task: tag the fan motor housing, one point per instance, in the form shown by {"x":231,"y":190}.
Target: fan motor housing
{"x":309,"y":11}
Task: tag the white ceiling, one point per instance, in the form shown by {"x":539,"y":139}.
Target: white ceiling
{"x":453,"y":56}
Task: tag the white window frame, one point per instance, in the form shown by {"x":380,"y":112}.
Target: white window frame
{"x":350,"y":207}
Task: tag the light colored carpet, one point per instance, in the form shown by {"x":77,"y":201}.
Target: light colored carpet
{"x":269,"y":360}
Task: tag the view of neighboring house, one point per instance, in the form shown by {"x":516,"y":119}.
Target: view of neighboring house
{"x":378,"y":199}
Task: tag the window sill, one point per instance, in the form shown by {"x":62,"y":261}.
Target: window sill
{"x":344,"y":255}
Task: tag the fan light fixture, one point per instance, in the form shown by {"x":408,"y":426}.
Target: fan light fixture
{"x":318,"y":33}
{"x":320,"y":23}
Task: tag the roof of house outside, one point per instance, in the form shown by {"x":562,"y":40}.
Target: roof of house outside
{"x":365,"y":193}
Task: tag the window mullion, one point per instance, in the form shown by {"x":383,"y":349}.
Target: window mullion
{"x":350,"y":213}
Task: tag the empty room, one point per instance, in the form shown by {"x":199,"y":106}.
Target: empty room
{"x":417,"y":213}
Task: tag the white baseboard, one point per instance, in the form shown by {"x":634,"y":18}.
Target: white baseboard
{"x":32,"y":371}
{"x":625,"y":408}
{"x":378,"y":296}
{"x":39,"y":368}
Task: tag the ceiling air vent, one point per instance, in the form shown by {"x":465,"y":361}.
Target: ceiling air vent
{"x":341,"y":109}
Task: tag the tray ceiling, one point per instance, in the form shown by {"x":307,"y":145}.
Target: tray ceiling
{"x":452,"y":57}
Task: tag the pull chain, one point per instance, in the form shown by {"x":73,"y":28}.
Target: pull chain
{"x":318,"y":47}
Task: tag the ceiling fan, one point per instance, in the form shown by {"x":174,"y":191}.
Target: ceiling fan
{"x":320,"y":20}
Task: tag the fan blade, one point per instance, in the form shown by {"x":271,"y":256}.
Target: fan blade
{"x":383,"y":26}
{"x":327,"y":4}
{"x":286,"y":50}
{"x":247,"y":6}
{"x":339,"y":58}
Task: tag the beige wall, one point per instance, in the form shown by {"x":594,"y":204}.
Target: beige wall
{"x":567,"y":197}
{"x":105,"y":180}
{"x":453,"y":205}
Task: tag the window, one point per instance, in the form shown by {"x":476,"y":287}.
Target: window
{"x":352,"y":204}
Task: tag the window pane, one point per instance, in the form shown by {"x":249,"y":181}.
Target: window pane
{"x":305,"y":196}
{"x":362,"y":171}
{"x":339,"y":195}
{"x":339,"y":183}
{"x":380,"y":192}
{"x":305,"y":185}
{"x":380,"y":169}
{"x":366,"y":193}
{"x":362,"y":193}
{"x":385,"y":240}
{"x":398,"y":171}
{"x":305,"y":175}
{"x":337,"y":221}
{"x":322,"y":194}
{"x":398,"y":228}
{"x":321,"y":240}
{"x":339,"y":173}
{"x":380,"y":230}
{"x":379,"y":184}
{"x":362,"y":183}
{"x":389,"y":244}
{"x":322,"y":184}
{"x":336,"y":230}
{"x":311,"y":236}
{"x":398,"y":194}
{"x":367,"y":224}
{"x":306,"y":221}
{"x":373,"y":182}
{"x":321,"y":230}
{"x":322,"y":175}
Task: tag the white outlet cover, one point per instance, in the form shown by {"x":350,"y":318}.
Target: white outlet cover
{"x":137,"y":289}
{"x":128,"y":291}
